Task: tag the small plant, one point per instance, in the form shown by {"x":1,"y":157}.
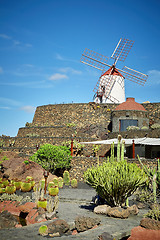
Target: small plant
{"x":153,"y":214}
{"x":144,"y":128}
{"x":70,"y":124}
{"x":43,"y":230}
{"x":74,"y":183}
{"x":53,"y":191}
{"x":132,"y":128}
{"x":10,"y":189}
{"x":32,"y":135}
{"x":42,"y":203}
{"x":155,"y":126}
{"x":144,"y":195}
{"x":4,"y":158}
{"x":17,"y":184}
{"x":66,"y":178}
{"x":96,"y":149}
{"x":55,"y":181}
{"x":26,"y":162}
{"x":60,"y":182}
{"x":28,"y":124}
{"x":51,"y":157}
{"x":26,"y":186}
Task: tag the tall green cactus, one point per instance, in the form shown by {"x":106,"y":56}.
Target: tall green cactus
{"x":112,"y":152}
{"x":118,"y":150}
{"x":152,"y":174}
{"x":122,"y":150}
{"x":66,"y":178}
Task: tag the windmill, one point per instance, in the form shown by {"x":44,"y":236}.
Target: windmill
{"x":110,"y":87}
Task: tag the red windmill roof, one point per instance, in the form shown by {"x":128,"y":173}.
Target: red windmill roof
{"x":130,"y":104}
{"x":114,"y":72}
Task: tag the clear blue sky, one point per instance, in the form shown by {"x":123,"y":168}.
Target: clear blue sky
{"x":41,"y":42}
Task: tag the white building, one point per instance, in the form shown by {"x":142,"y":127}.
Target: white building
{"x":111,"y":87}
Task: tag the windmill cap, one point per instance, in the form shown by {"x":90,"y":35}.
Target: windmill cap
{"x":115,"y":72}
{"x":130,"y":104}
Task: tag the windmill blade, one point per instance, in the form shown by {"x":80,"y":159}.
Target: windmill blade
{"x":122,"y":49}
{"x":134,"y":76}
{"x":94,"y":59}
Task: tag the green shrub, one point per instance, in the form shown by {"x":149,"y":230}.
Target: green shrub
{"x":144,"y":196}
{"x":51,"y":157}
{"x":153,"y":214}
{"x":155,"y":126}
{"x":115,"y":181}
{"x":144,"y":128}
{"x":26,"y":162}
{"x":132,"y":128}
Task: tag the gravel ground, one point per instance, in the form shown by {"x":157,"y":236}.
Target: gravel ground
{"x":73,"y":203}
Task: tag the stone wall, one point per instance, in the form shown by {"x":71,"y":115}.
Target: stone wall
{"x":80,"y":164}
{"x":81,"y":114}
{"x":84,"y":121}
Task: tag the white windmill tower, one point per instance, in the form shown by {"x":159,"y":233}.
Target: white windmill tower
{"x":110,"y":87}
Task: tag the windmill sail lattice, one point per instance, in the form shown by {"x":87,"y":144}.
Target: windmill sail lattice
{"x":110,"y":86}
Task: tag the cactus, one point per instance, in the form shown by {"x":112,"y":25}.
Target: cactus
{"x":43,"y":230}
{"x":118,"y":149}
{"x":26,"y":186}
{"x":154,"y":185}
{"x":55,"y":181}
{"x":42,"y":203}
{"x":112,"y":152}
{"x":51,"y":184}
{"x":50,"y":205}
{"x":56,"y":203}
{"x":53,"y":191}
{"x":115,"y":181}
{"x":122,"y":150}
{"x":17,"y":183}
{"x":60,"y":182}
{"x":74,"y":183}
{"x":152,"y":174}
{"x":66,"y":178}
{"x":10,"y":189}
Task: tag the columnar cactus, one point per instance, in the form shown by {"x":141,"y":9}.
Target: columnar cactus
{"x":66,"y":178}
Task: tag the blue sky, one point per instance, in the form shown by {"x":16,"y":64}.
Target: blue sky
{"x":41,"y":42}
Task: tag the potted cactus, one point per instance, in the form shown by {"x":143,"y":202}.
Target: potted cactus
{"x":10,"y":189}
{"x":26,"y":186}
{"x":53,"y":190}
